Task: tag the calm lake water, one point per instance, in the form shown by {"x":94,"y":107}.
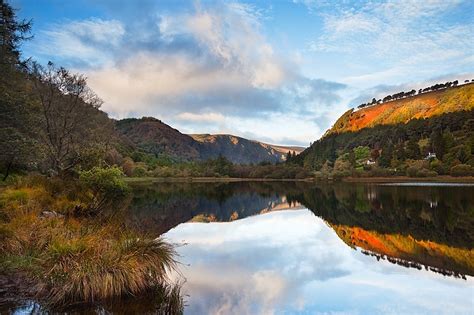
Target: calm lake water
{"x":304,"y":248}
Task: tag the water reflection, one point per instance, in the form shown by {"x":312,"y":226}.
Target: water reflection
{"x":295,"y":247}
{"x":420,"y":227}
{"x":417,"y":240}
{"x":293,"y":262}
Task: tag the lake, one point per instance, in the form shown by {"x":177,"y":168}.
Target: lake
{"x":306,"y":248}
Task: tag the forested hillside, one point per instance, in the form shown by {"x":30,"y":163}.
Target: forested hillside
{"x":424,"y":135}
{"x":151,"y":136}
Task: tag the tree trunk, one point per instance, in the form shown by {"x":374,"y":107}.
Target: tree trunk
{"x":8,"y":170}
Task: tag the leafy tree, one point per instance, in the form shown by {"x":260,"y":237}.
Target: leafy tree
{"x":352,"y":158}
{"x":463,"y":154}
{"x":437,"y":143}
{"x":386,"y":156}
{"x":222,"y":165}
{"x":413,"y":149}
{"x":361,"y":152}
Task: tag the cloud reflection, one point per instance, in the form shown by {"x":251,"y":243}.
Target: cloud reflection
{"x":292,"y":262}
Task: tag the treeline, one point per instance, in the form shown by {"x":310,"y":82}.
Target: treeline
{"x":441,"y":145}
{"x":50,"y":119}
{"x":147,"y":165}
{"x":403,"y":94}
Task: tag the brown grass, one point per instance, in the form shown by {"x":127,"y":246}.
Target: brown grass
{"x":76,"y":259}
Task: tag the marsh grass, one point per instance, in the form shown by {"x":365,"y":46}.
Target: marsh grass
{"x":75,"y":259}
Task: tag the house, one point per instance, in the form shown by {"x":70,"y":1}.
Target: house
{"x":430,"y":156}
{"x":370,"y":162}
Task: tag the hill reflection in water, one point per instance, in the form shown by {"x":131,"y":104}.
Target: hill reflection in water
{"x":289,"y":262}
{"x":409,"y":226}
{"x":417,"y":240}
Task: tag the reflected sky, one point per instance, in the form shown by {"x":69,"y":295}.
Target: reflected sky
{"x":289,"y":262}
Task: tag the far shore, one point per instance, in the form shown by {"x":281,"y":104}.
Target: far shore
{"x":406,"y":179}
{"x":393,"y":179}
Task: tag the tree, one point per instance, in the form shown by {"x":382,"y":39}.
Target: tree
{"x":12,"y":34}
{"x":386,"y":156}
{"x":437,"y":143}
{"x":463,"y":154}
{"x":16,"y":125}
{"x":352,"y":158}
{"x":413,"y":149}
{"x":361,"y":153}
{"x":222,"y":165}
{"x":71,"y":122}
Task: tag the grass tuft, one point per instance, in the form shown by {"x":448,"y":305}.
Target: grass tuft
{"x":77,"y":259}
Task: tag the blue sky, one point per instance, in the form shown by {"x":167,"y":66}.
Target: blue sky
{"x":275,"y":71}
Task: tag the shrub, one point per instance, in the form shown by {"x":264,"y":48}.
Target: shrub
{"x":105,"y":185}
{"x":426,"y":173}
{"x":438,"y":166}
{"x":139,"y":171}
{"x":461,"y":170}
{"x":412,"y":171}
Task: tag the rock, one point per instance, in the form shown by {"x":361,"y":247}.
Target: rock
{"x":50,"y":214}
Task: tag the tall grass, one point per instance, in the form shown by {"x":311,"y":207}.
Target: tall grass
{"x":79,"y":259}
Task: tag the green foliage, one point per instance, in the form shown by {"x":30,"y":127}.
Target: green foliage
{"x":105,"y":184}
{"x":413,"y":149}
{"x":361,"y":152}
{"x":461,"y":170}
{"x":386,"y":155}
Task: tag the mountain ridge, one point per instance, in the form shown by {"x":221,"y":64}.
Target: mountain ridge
{"x":153,"y":136}
{"x":403,"y":110}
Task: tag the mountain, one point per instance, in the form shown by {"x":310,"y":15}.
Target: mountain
{"x":152,"y":136}
{"x":240,"y":150}
{"x":393,"y":135}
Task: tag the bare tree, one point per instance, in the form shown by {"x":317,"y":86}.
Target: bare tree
{"x":71,"y":122}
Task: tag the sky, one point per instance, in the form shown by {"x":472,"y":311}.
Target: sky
{"x":275,"y":71}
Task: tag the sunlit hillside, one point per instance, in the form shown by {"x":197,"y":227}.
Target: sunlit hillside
{"x":440,"y":257}
{"x":425,"y":105}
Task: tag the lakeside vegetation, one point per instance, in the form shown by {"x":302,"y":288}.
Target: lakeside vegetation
{"x":62,"y":238}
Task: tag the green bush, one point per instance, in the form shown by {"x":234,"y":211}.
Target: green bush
{"x":105,"y":185}
{"x":461,"y":170}
{"x":139,"y":171}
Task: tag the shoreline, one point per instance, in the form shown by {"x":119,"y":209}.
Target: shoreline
{"x":394,"y":179}
{"x":406,"y":179}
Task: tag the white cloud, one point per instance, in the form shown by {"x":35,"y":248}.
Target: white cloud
{"x":399,"y":38}
{"x":82,"y":38}
{"x":201,"y":118}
